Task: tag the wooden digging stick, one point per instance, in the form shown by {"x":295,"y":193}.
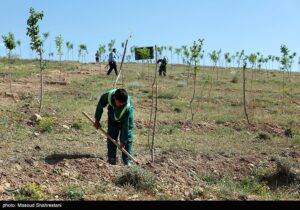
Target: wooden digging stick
{"x":111,"y":139}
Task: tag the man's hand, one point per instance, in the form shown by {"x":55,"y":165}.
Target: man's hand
{"x":97,"y":125}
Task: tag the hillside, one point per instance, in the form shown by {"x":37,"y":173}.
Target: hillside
{"x":217,"y":156}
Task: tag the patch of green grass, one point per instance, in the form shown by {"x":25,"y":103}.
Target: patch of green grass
{"x":169,"y":128}
{"x":138,"y":178}
{"x":296,"y":139}
{"x":46,"y":124}
{"x":253,"y":186}
{"x":57,"y":171}
{"x":261,"y":172}
{"x":234,"y":79}
{"x":263,"y":136}
{"x":284,"y":167}
{"x":211,"y":179}
{"x":166,"y":95}
{"x":30,"y":191}
{"x":135,"y":85}
{"x":79,"y":125}
{"x":74,"y":193}
{"x":103,"y":187}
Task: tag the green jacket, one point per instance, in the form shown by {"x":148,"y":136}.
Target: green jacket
{"x":126,"y":121}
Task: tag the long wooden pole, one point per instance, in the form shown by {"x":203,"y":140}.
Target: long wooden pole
{"x":111,"y":139}
{"x":120,"y":72}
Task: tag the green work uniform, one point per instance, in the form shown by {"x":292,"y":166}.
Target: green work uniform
{"x":162,"y":67}
{"x":120,"y":119}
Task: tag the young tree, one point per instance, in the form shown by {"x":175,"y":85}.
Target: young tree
{"x":214,"y":57}
{"x":187,"y":60}
{"x":10,"y":44}
{"x":240,"y":57}
{"x":277,"y":59}
{"x":19,"y":45}
{"x":71,"y":46}
{"x":233,"y":60}
{"x":155,"y":108}
{"x":132,"y":50}
{"x":227,"y":59}
{"x":177,"y":52}
{"x":260,"y":60}
{"x":291,"y":57}
{"x":36,"y":43}
{"x":195,"y":58}
{"x":82,"y":52}
{"x":286,"y":65}
{"x":45,"y":37}
{"x":111,"y":45}
{"x":219,"y":60}
{"x":170,"y":48}
{"x":159,"y":50}
{"x":269,"y":61}
{"x":252,"y":59}
{"x":68,"y":50}
{"x":59,"y":43}
{"x":272,"y":62}
{"x":244,"y":91}
{"x":102,"y":51}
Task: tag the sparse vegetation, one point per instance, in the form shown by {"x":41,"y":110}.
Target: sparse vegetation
{"x":30,"y":191}
{"x":73,"y":193}
{"x":46,"y":124}
{"x":138,"y":178}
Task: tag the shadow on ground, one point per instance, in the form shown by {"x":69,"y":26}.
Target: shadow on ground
{"x":56,"y":158}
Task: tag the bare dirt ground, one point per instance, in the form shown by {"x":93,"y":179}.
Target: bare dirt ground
{"x":178,"y":173}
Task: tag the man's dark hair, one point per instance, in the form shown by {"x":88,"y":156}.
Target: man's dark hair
{"x":121,"y":95}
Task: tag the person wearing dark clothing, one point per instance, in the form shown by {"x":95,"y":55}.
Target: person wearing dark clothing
{"x":120,"y":120}
{"x":97,"y":55}
{"x":163,"y":66}
{"x":112,"y":59}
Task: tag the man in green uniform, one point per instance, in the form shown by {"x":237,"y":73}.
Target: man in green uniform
{"x":163,"y":66}
{"x":120,"y":120}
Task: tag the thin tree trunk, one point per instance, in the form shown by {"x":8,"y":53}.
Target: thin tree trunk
{"x":151,"y":111}
{"x":188,"y":77}
{"x":59,"y":67}
{"x":217,"y":73}
{"x":244,"y":92}
{"x":154,"y":126}
{"x":194,"y":91}
{"x":171,"y":65}
{"x":148,"y":71}
{"x":42,"y":86}
{"x":251,"y":92}
{"x":211,"y":81}
{"x":152,"y":99}
{"x":283,"y":91}
{"x":9,"y":69}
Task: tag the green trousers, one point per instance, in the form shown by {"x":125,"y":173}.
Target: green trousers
{"x":114,"y":129}
{"x":162,"y":71}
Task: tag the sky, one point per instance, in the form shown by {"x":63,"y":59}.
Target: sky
{"x":230,"y":25}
